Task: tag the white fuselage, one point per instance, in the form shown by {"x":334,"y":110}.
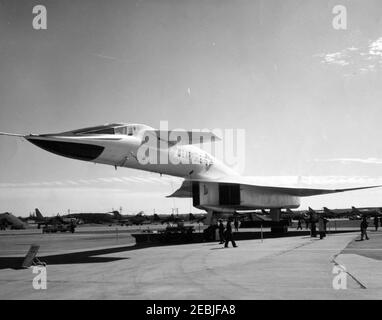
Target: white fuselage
{"x":130,"y":149}
{"x":187,"y":161}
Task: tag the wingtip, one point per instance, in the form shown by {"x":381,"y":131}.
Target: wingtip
{"x":11,"y":134}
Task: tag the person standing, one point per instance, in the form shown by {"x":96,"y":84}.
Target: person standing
{"x":325,"y":225}
{"x":72,"y":226}
{"x":376,"y":223}
{"x":313,"y":230}
{"x":236,"y":224}
{"x":299,"y":227}
{"x":228,"y":235}
{"x":364,"y":226}
{"x":321,"y":227}
{"x":221,"y":231}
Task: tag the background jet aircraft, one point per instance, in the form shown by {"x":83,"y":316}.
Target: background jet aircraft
{"x":336,"y":213}
{"x":296,"y":214}
{"x":8,"y":220}
{"x":342,"y":213}
{"x":40,"y":220}
{"x":94,"y":217}
{"x":368,"y":212}
{"x":196,"y":218}
{"x":138,"y":219}
{"x":212,"y":185}
{"x":169,"y":219}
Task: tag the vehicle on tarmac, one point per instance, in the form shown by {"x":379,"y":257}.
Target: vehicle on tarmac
{"x":54,"y":228}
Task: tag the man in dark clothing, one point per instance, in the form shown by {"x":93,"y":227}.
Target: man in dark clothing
{"x":321,"y":227}
{"x":364,"y":226}
{"x":326,"y":223}
{"x":221,"y":232}
{"x":236,"y":224}
{"x":72,"y":226}
{"x":313,"y":230}
{"x":376,"y":223}
{"x":228,"y":235}
{"x":299,"y":227}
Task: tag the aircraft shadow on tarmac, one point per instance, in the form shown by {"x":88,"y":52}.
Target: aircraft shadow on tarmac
{"x":90,"y":256}
{"x":72,"y":258}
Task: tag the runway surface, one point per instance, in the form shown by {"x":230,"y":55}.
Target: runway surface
{"x":100,"y":266}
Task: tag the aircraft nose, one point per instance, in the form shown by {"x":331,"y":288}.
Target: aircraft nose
{"x":74,"y":150}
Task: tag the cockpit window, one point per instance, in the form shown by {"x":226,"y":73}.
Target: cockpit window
{"x":124,"y":130}
{"x":102,"y":131}
{"x":120,"y":130}
{"x":115,"y":128}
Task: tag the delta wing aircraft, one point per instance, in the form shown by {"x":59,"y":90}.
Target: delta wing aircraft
{"x":211,"y":184}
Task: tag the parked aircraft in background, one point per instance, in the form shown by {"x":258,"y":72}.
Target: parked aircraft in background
{"x":212,"y":185}
{"x":352,"y":213}
{"x":139,"y":219}
{"x":197,"y":218}
{"x":40,"y":220}
{"x":336,"y":213}
{"x":8,"y":220}
{"x":297,"y":214}
{"x":169,"y":219}
{"x":370,"y":211}
{"x":92,"y":218}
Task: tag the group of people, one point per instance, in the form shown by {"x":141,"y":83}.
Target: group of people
{"x":322,"y":222}
{"x":225,"y":233}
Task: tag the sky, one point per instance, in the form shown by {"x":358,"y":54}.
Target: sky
{"x":307,"y":95}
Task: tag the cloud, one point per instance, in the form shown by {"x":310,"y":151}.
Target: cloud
{"x":335,"y":58}
{"x":352,"y":160}
{"x":72,"y":182}
{"x":375,"y":48}
{"x":361,"y":60}
{"x":111,"y":58}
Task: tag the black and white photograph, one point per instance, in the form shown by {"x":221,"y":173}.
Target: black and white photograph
{"x":205,"y":151}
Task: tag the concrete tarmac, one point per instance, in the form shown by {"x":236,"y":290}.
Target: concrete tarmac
{"x":282,"y":268}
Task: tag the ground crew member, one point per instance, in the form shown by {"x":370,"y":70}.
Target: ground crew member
{"x":376,"y":223}
{"x":321,"y":227}
{"x":313,"y":230}
{"x":228,"y":235}
{"x":364,"y":226}
{"x":299,"y":225}
{"x":325,"y":224}
{"x":72,"y":226}
{"x":236,"y":224}
{"x":221,"y":231}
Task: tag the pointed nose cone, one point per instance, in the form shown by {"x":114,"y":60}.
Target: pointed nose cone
{"x":74,"y":150}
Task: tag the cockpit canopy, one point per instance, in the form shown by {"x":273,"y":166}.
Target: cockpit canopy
{"x":114,"y":128}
